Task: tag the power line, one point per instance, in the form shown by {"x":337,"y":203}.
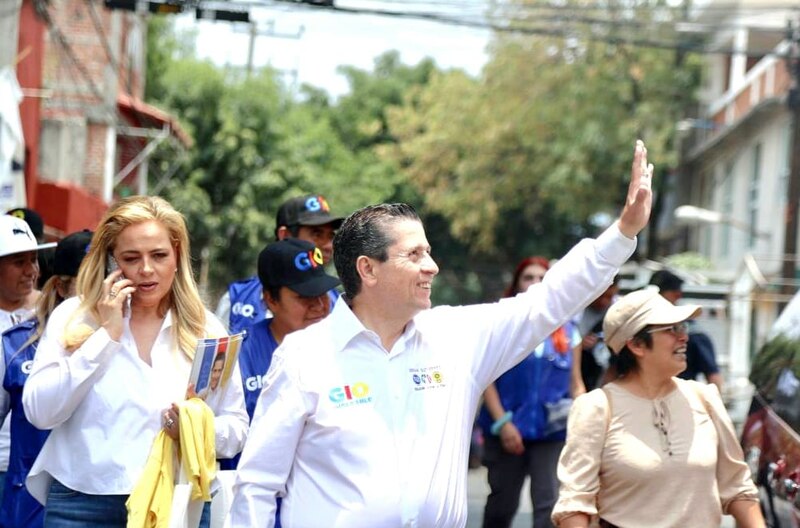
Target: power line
{"x":524,"y":29}
{"x":566,"y":13}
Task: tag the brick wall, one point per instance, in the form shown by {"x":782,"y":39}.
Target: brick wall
{"x":85,"y":94}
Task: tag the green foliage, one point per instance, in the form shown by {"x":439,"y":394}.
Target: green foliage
{"x":689,"y":261}
{"x":775,"y":356}
{"x":513,"y":163}
{"x":255,"y":146}
{"x":163,"y":48}
{"x":544,"y":137}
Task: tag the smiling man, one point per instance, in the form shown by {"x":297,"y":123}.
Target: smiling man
{"x":365,"y":418}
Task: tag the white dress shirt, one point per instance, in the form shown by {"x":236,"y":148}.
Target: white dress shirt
{"x":104,"y":405}
{"x":357,"y":436}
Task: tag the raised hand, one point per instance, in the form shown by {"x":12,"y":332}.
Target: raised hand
{"x":116,"y":290}
{"x":639,"y":201}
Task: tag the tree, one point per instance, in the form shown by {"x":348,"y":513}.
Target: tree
{"x":254,"y":147}
{"x":544,"y":137}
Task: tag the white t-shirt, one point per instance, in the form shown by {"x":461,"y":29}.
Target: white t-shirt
{"x":104,"y":406}
{"x":363,"y":437}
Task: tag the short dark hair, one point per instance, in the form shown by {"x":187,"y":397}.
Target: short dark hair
{"x":626,"y":361}
{"x":364,"y":233}
{"x":272,"y":290}
{"x":666,"y":281}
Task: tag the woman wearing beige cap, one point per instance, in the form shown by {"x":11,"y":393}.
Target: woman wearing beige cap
{"x":650,"y":449}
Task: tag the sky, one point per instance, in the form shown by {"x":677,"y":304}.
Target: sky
{"x":330,"y":39}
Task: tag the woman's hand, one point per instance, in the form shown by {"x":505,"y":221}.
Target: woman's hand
{"x":169,"y":422}
{"x":116,"y":290}
{"x":511,"y":440}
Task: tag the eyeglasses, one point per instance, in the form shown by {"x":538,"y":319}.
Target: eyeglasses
{"x":678,"y":329}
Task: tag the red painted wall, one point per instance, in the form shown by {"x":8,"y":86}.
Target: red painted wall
{"x":30,"y":49}
{"x":68,"y":207}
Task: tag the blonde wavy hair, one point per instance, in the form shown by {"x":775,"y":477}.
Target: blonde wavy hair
{"x":46,"y":303}
{"x":189,"y":315}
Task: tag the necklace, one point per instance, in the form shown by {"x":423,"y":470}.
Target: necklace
{"x":661,"y":423}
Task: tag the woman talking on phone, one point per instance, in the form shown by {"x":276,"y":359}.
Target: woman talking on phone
{"x":113,"y":361}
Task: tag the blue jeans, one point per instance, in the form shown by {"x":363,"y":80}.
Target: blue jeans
{"x":68,"y":508}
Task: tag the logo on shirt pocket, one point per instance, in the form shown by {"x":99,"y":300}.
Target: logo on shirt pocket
{"x":427,"y":378}
{"x":353,"y":394}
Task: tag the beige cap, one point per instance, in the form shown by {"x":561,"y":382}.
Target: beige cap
{"x":639,"y":309}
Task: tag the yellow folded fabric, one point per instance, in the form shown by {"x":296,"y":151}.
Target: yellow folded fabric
{"x":150,"y":503}
{"x":198,"y":452}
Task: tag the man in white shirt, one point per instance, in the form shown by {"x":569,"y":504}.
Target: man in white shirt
{"x":365,"y":417}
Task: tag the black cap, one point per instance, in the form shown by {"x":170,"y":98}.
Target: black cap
{"x":666,"y":281}
{"x":296,"y":264}
{"x":309,"y":210}
{"x":70,"y":252}
{"x":32,"y":218}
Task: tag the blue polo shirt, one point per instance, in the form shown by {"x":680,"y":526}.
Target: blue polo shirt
{"x":255,"y":357}
{"x":535,"y":388}
{"x":19,"y":508}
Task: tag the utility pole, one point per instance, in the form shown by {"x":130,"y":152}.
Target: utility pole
{"x":269,"y":31}
{"x":793,"y":196}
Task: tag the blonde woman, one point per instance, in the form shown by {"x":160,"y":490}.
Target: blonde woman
{"x":113,"y":362}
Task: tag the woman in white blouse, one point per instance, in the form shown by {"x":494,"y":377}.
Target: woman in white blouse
{"x":112,"y":363}
{"x":650,"y":449}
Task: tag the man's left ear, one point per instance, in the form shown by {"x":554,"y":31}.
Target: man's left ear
{"x":366,"y":270}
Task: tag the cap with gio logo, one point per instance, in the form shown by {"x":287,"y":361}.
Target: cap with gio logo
{"x":16,"y":237}
{"x":296,"y":264}
{"x":309,"y":210}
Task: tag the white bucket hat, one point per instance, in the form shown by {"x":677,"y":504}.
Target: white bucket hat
{"x":17,"y":237}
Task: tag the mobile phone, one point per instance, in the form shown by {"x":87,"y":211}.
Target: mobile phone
{"x":111,"y":264}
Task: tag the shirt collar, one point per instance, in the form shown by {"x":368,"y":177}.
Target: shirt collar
{"x":348,"y":326}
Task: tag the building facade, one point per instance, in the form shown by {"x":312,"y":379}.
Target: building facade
{"x":87,"y":132}
{"x":736,"y":164}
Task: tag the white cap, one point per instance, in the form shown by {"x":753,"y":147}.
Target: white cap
{"x":639,"y":309}
{"x":17,"y":237}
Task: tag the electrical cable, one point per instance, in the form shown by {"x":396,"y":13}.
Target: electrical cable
{"x":543,"y":31}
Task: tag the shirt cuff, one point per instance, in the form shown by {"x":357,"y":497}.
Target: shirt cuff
{"x":615,"y":247}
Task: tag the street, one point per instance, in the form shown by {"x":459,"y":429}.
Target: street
{"x":477,"y":489}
